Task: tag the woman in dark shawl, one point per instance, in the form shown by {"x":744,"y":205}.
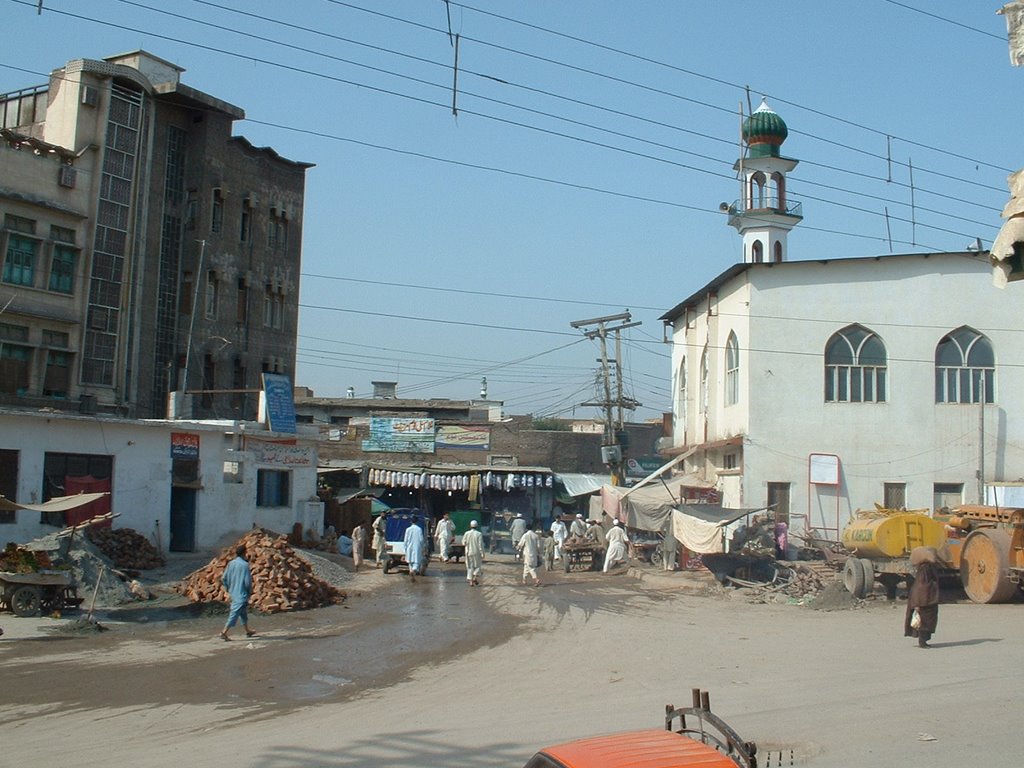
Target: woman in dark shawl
{"x":923,"y":596}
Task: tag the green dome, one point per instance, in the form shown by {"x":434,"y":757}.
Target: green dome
{"x":764,"y":131}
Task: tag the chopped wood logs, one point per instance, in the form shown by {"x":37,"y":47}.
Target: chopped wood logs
{"x":126,"y":548}
{"x":281,"y":581}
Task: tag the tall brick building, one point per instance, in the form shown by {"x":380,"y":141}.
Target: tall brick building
{"x":144,"y":249}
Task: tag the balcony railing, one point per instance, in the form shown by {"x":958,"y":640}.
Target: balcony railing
{"x":767,"y":204}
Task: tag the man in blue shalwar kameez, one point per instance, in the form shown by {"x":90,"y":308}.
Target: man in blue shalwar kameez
{"x":414,"y":546}
{"x":237,"y":580}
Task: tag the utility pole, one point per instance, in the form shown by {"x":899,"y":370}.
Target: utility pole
{"x":612,"y":452}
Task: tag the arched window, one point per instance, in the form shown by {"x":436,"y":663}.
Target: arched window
{"x":855,"y":367}
{"x":704,"y":382}
{"x":681,"y":396}
{"x":732,"y":370}
{"x":778,"y":191}
{"x":757,"y":252}
{"x":965,"y":367}
{"x":757,"y":192}
{"x":778,"y":250}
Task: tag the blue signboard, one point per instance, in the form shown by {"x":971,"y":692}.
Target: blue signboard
{"x":279,"y":402}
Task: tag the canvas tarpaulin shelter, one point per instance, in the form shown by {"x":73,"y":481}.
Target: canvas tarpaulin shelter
{"x":649,"y":507}
{"x":56,"y":504}
{"x":704,"y":528}
{"x":577,"y":484}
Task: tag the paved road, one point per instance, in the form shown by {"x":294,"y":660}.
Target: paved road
{"x":440,"y":674}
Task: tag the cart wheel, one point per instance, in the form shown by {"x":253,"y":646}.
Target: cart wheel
{"x":656,"y":557}
{"x":387,"y":565}
{"x":565,"y":561}
{"x":52,"y":600}
{"x":25,"y":601}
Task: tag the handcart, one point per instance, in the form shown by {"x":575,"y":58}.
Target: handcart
{"x":26,"y":594}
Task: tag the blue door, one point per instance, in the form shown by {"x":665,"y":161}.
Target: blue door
{"x":183,"y":520}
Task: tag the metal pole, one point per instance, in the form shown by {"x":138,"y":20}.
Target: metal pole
{"x":981,"y":442}
{"x":192,"y":319}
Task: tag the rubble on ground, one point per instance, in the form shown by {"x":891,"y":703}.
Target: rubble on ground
{"x":281,"y":579}
{"x":126,"y":547}
{"x":801,"y":580}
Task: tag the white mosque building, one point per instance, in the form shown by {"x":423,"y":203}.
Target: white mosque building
{"x":829,"y":385}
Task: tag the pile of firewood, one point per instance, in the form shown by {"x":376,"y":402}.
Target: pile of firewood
{"x":126,"y":548}
{"x":281,"y":580}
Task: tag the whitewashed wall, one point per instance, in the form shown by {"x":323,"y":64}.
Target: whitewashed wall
{"x":141,"y":452}
{"x":784,"y":315}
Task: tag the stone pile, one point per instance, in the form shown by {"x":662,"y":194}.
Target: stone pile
{"x":281,"y":580}
{"x":126,"y":548}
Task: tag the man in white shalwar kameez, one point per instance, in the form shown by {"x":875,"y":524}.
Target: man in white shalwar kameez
{"x":517,"y":530}
{"x":617,"y":541}
{"x":559,"y":534}
{"x":529,"y":548}
{"x":473,"y":541}
{"x":445,"y":535}
{"x":414,"y":547}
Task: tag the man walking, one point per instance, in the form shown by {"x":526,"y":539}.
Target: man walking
{"x":617,"y":541}
{"x":237,"y":580}
{"x":358,"y":545}
{"x":444,"y":534}
{"x":559,"y":533}
{"x":414,"y":548}
{"x":380,"y":537}
{"x":529,"y":548}
{"x":473,"y":541}
{"x":517,"y":530}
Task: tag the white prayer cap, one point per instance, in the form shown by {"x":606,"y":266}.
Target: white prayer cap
{"x":472,"y":523}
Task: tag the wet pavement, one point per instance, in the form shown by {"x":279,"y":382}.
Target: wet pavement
{"x":371,"y":641}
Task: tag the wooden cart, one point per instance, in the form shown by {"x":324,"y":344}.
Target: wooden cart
{"x":585,"y":556}
{"x":26,"y":594}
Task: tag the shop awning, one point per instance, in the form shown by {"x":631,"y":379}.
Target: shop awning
{"x":581,"y":485}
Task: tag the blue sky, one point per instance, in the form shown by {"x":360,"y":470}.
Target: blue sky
{"x":582,"y":175}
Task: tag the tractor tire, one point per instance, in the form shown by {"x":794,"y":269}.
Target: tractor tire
{"x":853,"y":577}
{"x":869,"y":575}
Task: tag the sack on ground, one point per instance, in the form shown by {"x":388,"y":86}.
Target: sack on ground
{"x":915,"y":620}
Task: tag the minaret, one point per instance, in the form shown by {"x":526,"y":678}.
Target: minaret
{"x":764,"y":215}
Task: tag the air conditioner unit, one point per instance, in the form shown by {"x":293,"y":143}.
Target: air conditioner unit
{"x":90,"y":96}
{"x":87,"y":404}
{"x":66,"y":176}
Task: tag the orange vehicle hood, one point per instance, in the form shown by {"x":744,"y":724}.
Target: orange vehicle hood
{"x":654,"y":748}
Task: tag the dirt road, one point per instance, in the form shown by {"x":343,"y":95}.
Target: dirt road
{"x":440,"y":674}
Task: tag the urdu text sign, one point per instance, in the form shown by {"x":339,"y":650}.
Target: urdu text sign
{"x":389,"y":435}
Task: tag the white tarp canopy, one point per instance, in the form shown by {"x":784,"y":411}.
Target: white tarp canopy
{"x":649,"y":507}
{"x":704,"y":528}
{"x":577,"y":484}
{"x":56,"y":504}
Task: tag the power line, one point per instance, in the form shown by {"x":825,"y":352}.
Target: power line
{"x":495,"y":118}
{"x":701,"y":75}
{"x":538,"y":91}
{"x":923,"y":12}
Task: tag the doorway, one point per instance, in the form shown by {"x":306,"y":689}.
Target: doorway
{"x":183,"y":520}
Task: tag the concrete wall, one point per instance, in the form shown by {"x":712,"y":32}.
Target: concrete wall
{"x":142,"y":474}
